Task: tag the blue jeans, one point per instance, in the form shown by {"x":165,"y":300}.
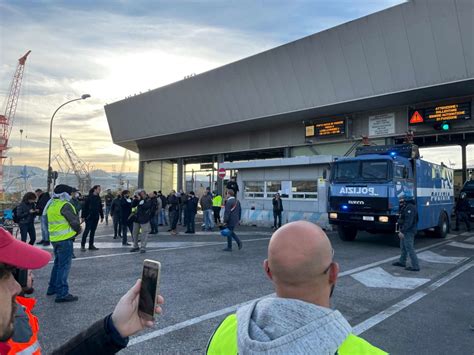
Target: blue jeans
{"x":407,"y":245}
{"x":62,"y":264}
{"x":231,"y":236}
{"x":107,"y":212}
{"x":163,"y":220}
{"x":44,"y":228}
{"x":208,"y":219}
{"x":190,"y":222}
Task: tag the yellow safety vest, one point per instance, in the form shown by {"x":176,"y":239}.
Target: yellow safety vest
{"x":58,"y":226}
{"x":217,"y":201}
{"x":224,"y":341}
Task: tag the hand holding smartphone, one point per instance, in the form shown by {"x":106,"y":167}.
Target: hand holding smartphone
{"x":149,"y":289}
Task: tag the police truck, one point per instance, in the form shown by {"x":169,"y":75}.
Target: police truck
{"x":364,"y":191}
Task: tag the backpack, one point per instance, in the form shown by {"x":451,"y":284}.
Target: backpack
{"x":16,"y":219}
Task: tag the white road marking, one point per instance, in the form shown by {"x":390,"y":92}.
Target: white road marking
{"x":466,"y":233}
{"x":380,"y":317}
{"x":379,"y":278}
{"x":431,"y":257}
{"x":111,"y":245}
{"x":461,"y":245}
{"x":221,"y":312}
{"x":164,"y":249}
{"x":469,"y":240}
{"x":199,"y":233}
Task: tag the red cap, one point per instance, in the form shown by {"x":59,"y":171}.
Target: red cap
{"x":19,"y":254}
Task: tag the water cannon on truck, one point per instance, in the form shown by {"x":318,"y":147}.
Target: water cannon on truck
{"x":365,"y":190}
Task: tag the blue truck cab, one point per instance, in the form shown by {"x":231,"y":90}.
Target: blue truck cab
{"x":364,"y":191}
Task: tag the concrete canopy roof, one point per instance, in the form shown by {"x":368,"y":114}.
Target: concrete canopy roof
{"x":395,"y":56}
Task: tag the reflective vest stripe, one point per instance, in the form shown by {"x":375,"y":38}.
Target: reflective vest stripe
{"x":58,"y":227}
{"x":225,"y":341}
{"x":30,"y":350}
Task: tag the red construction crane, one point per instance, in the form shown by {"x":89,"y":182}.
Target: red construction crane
{"x":6,"y":120}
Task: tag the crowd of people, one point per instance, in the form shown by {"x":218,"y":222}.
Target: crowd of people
{"x":300,"y":264}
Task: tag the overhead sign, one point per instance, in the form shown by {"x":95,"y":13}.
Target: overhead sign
{"x":221,"y":173}
{"x":453,"y":112}
{"x":207,"y":166}
{"x":382,"y":125}
{"x":326,"y":128}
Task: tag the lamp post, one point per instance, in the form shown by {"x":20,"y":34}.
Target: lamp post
{"x":50,"y":170}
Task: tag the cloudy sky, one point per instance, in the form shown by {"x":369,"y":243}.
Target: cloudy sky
{"x":114,"y":48}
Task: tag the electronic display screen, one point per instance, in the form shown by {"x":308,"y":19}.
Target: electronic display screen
{"x":442,"y":113}
{"x":326,"y":128}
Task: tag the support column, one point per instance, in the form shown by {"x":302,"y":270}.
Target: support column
{"x":464,"y":162}
{"x":141,"y":171}
{"x":287,"y":152}
{"x":180,"y":173}
{"x":220,"y":182}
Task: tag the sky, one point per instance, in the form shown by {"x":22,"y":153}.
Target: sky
{"x":116,"y":48}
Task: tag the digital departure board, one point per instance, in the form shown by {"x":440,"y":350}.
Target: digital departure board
{"x":326,"y":128}
{"x":453,"y":112}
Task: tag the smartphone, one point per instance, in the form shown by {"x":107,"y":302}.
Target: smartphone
{"x":150,"y":288}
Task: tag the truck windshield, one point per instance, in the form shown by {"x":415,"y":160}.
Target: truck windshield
{"x":361,"y":171}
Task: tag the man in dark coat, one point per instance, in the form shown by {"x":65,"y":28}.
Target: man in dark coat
{"x":43,"y":198}
{"x":142,"y":221}
{"x":462,"y":212}
{"x":108,"y":204}
{"x":173,"y":209}
{"x":232,"y":185}
{"x":407,"y":222}
{"x":277,"y":210}
{"x":190,"y":211}
{"x":90,"y":214}
{"x":232,"y":215}
{"x":125,"y":212}
{"x":116,"y":217}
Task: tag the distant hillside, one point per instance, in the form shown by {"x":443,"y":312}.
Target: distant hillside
{"x":21,"y":178}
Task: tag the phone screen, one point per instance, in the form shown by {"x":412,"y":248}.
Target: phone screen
{"x":149,"y":288}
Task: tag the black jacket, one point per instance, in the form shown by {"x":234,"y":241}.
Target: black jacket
{"x":462,"y":205}
{"x":277,"y":205}
{"x":42,"y":201}
{"x":92,"y":208}
{"x":125,"y":209}
{"x":232,"y":212}
{"x":233,"y":185}
{"x":109,"y":199}
{"x":143,"y":210}
{"x":115,"y":208}
{"x":23,"y":212}
{"x":100,"y":338}
{"x":191,"y":205}
{"x":408,"y":218}
{"x":173,"y":202}
{"x":164,"y":201}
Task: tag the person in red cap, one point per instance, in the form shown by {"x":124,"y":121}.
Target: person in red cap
{"x":107,"y":336}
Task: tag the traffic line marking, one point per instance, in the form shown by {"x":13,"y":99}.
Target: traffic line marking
{"x":163,"y":249}
{"x":230,"y":309}
{"x":431,"y":257}
{"x":465,"y":233}
{"x":379,"y":278}
{"x":112,"y":245}
{"x":461,"y":245}
{"x":469,"y":240}
{"x":397,"y":307}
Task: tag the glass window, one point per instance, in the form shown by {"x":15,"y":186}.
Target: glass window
{"x":254,"y":189}
{"x":346,"y":171}
{"x":377,"y":170}
{"x":304,"y":189}
{"x":399,"y":171}
{"x":272,"y":188}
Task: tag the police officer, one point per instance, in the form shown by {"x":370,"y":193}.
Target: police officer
{"x":407,"y":224}
{"x":462,"y":212}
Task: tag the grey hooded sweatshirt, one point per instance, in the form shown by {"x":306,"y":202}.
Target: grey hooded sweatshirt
{"x":289,"y":326}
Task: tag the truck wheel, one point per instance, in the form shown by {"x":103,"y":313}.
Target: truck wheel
{"x":347,"y":234}
{"x":441,"y":231}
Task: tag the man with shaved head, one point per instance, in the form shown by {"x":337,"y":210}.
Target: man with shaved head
{"x":299,"y":319}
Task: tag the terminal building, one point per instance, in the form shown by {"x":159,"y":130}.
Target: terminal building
{"x":278,"y":118}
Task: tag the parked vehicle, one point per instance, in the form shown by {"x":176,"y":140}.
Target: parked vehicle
{"x":364,"y":191}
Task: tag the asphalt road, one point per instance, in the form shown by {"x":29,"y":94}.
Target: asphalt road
{"x":402,"y":312}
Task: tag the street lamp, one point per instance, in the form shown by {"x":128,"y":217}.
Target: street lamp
{"x":50,"y":170}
